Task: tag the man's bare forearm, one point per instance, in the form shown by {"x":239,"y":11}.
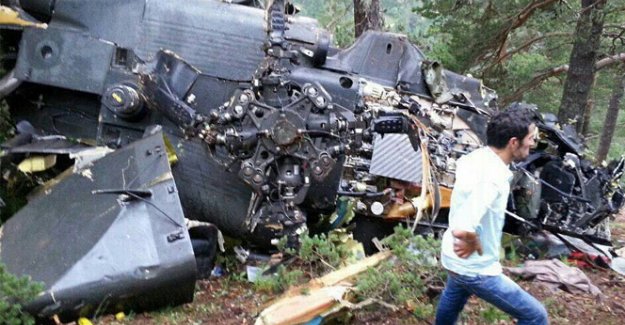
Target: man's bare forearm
{"x":466,"y":242}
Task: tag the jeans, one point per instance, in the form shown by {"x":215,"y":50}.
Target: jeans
{"x":498,"y":290}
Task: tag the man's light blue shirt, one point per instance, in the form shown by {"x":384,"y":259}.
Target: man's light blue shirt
{"x":478,"y":204}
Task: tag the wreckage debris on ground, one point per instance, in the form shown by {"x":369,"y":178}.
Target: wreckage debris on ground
{"x":291,"y":134}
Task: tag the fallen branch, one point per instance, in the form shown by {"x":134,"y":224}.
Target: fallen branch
{"x":350,"y":270}
{"x":322,"y":295}
{"x":371,"y":301}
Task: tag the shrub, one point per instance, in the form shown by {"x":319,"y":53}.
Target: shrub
{"x":407,"y":278}
{"x":14,"y":292}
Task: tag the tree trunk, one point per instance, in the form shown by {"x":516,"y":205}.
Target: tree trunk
{"x":611,"y":116}
{"x":590,"y":106}
{"x":581,"y":74}
{"x":367,"y":16}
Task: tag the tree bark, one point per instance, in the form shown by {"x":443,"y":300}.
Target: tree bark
{"x":367,"y":16}
{"x":581,"y":73}
{"x":611,"y":116}
{"x":590,"y":106}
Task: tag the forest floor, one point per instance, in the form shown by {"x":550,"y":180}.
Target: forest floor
{"x":230,"y":300}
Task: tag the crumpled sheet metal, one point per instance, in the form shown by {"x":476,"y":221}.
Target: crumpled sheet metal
{"x":105,"y":252}
{"x":48,"y":145}
{"x":556,"y":274}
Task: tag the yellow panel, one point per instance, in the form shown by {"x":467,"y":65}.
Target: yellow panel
{"x":172,"y":158}
{"x":445,"y":193}
{"x":9,"y":16}
{"x":37,"y":163}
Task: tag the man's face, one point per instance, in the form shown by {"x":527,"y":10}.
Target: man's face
{"x":521,"y":149}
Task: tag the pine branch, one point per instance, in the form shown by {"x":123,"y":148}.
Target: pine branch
{"x":524,"y":46}
{"x":499,"y":42}
{"x":543,"y":76}
{"x":534,"y":83}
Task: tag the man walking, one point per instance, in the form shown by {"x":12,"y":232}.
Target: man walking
{"x":471,"y":245}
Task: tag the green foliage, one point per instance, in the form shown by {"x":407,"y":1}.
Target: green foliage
{"x":280,"y":281}
{"x":336,"y":16}
{"x":6,"y":126}
{"x":405,"y":279}
{"x":492,"y":315}
{"x":323,"y":251}
{"x":424,"y":311}
{"x":14,"y":292}
{"x":317,"y":255}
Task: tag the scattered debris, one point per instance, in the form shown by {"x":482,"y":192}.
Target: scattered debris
{"x":557,"y":275}
{"x":618,"y":265}
{"x":321,"y":296}
{"x":293,"y":134}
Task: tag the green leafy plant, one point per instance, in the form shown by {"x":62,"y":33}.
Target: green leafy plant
{"x":280,"y":281}
{"x":407,"y":279}
{"x":322,"y":253}
{"x":317,"y":255}
{"x":14,"y":292}
{"x":491,"y":315}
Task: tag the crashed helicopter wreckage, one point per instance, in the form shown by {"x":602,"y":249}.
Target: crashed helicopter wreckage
{"x":274,"y":130}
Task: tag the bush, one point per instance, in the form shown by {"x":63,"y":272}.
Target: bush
{"x":280,"y":281}
{"x":317,"y":255}
{"x":409,"y":279}
{"x":14,"y":292}
{"x":406,"y":279}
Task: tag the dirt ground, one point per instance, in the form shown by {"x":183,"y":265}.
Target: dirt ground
{"x":227,"y":301}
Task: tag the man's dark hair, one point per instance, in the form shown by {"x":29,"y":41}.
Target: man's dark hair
{"x":511,"y":123}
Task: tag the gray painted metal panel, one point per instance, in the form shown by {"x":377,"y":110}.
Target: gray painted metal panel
{"x":220,"y":39}
{"x":64,"y":59}
{"x":99,"y":249}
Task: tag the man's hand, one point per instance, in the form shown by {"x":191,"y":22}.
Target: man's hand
{"x":465,"y":243}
